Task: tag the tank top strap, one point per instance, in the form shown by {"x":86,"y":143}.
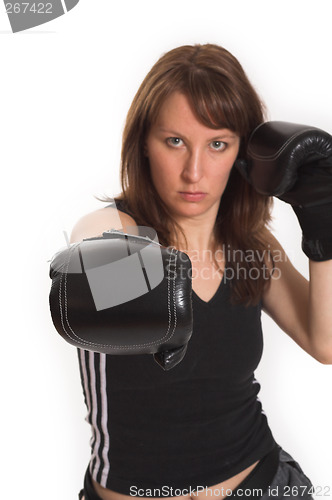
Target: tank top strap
{"x":120,"y":205}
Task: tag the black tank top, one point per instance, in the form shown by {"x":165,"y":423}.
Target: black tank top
{"x":195,"y":425}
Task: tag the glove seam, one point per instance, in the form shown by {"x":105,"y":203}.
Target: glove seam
{"x":283,"y":147}
{"x":88,"y":343}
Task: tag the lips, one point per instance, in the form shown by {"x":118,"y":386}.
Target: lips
{"x":192,"y":195}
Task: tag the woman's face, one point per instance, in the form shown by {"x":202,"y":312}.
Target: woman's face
{"x":189,"y":162}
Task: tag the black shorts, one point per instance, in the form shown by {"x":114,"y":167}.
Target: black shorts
{"x":277,"y":476}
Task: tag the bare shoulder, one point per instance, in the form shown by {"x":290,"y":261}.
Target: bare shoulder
{"x":286,"y":299}
{"x":285,"y":275}
{"x":275,"y":253}
{"x":272,"y":240}
{"x":96,"y":222}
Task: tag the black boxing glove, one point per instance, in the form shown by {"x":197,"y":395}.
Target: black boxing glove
{"x":123,"y":294}
{"x":294,"y":163}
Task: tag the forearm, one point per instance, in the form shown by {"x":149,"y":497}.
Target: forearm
{"x":320,"y":307}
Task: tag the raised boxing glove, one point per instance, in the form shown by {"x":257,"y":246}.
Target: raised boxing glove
{"x":123,"y":294}
{"x":294,"y":163}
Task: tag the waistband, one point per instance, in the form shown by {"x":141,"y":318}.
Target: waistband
{"x":89,"y":491}
{"x":261,"y":477}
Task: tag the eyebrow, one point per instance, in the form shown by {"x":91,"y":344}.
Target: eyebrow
{"x":223,"y":135}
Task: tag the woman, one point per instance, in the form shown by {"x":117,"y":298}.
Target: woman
{"x":200,"y":425}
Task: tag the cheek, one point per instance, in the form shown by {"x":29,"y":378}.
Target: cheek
{"x":223,"y":172}
{"x":228,"y":165}
{"x":157,"y":176}
{"x":220,"y":179}
{"x":160,"y":167}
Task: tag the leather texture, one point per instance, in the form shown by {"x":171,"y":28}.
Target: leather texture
{"x":158,"y":320}
{"x":276,"y":150}
{"x":294,"y":163}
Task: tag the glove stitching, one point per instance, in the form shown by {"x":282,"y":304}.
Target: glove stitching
{"x":65,"y":265}
{"x":88,"y":343}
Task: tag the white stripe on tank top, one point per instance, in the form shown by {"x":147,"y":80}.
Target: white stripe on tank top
{"x":93,"y":394}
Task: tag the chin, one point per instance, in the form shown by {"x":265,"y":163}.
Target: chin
{"x":190,"y":210}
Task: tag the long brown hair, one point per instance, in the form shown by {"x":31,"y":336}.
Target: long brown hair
{"x":221,"y":97}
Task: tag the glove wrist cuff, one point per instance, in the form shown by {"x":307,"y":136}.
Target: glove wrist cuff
{"x":317,"y":250}
{"x":316,"y":225}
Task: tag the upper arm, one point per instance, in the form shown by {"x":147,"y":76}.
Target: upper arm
{"x":95,"y":223}
{"x":286,"y":299}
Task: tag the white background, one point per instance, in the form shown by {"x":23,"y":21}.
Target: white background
{"x":65,"y":90}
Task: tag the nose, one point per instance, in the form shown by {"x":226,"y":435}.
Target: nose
{"x":193,"y":166}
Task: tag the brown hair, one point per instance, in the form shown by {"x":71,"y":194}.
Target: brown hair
{"x":221,"y":97}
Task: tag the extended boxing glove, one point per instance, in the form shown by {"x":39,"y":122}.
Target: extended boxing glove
{"x":294,"y":163}
{"x":123,"y":294}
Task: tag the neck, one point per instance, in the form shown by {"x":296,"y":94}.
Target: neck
{"x":199,"y":234}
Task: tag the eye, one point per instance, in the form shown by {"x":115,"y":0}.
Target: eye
{"x":174,"y":141}
{"x":218,"y":145}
